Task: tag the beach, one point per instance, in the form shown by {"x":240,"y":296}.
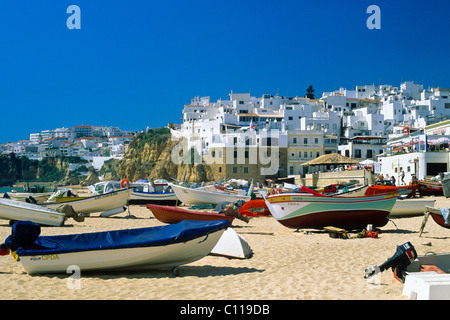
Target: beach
{"x":286,"y":265}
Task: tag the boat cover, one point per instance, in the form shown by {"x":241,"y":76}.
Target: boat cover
{"x":25,"y":239}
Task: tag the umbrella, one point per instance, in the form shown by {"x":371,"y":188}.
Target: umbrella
{"x":332,"y":158}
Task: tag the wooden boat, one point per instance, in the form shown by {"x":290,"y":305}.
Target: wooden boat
{"x":63,"y":196}
{"x":14,"y":210}
{"x":428,"y":188}
{"x":196,"y":196}
{"x":409,"y":190}
{"x":316,"y":212}
{"x":129,"y":249}
{"x":405,"y":207}
{"x":254,"y":208}
{"x":438,"y":216}
{"x":170,"y":214}
{"x":142,"y":191}
{"x":108,"y":203}
{"x":40,"y":197}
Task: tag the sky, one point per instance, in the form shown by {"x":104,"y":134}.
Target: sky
{"x":135,"y":64}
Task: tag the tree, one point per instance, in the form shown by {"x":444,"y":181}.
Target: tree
{"x":310,"y":92}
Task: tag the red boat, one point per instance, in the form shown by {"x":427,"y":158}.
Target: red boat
{"x":437,"y":216}
{"x":408,"y":190}
{"x":428,"y":188}
{"x":171,"y":214}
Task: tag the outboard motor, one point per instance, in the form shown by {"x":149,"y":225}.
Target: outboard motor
{"x":30,"y":199}
{"x":402,"y":258}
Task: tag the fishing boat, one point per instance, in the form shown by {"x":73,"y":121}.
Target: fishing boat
{"x":312,"y":211}
{"x":195,"y":196}
{"x":254,"y":208}
{"x":142,"y":191}
{"x":40,"y":197}
{"x":63,"y":195}
{"x":108,"y":204}
{"x":148,"y":248}
{"x":171,"y":214}
{"x":405,"y":207}
{"x":14,"y":210}
{"x":428,"y":188}
{"x":340,"y":189}
{"x":425,"y":277}
{"x":409,"y":190}
{"x":157,"y":191}
{"x":440,"y":216}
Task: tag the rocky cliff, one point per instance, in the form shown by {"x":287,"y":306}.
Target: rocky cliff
{"x":149,"y":157}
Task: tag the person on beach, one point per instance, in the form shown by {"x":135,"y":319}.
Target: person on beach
{"x":393,"y":180}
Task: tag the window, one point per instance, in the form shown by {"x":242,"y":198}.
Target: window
{"x":294,"y":140}
{"x":245,"y":169}
{"x":305,"y":140}
{"x":316,"y":140}
{"x":305,"y":154}
{"x":357,"y":153}
{"x":234,"y":169}
{"x":213,"y":154}
{"x":220,"y":169}
{"x":290,"y":118}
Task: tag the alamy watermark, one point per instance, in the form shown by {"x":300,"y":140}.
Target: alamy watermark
{"x":374,"y":20}
{"x":74,"y":20}
{"x":241,"y":147}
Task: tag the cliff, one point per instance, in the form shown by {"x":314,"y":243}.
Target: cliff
{"x":149,"y":157}
{"x":56,"y":170}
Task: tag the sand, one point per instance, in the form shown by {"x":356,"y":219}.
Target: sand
{"x":286,"y":265}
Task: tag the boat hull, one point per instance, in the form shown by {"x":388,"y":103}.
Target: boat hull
{"x":439,"y":219}
{"x":106,"y":202}
{"x":318,"y":212}
{"x":428,"y":188}
{"x":21,"y":211}
{"x":22,"y":196}
{"x":150,"y":253}
{"x":168,"y":214}
{"x":201,"y":196}
{"x":153,"y":197}
{"x":410,"y":207}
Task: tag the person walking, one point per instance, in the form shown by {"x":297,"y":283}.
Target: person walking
{"x":402,"y":178}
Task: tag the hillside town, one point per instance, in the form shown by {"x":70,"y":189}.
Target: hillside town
{"x":385,"y":128}
{"x":92,"y":143}
{"x":369,"y":123}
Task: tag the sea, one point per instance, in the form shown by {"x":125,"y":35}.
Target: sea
{"x":9,"y":189}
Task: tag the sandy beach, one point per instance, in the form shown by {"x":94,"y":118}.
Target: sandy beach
{"x":286,"y":265}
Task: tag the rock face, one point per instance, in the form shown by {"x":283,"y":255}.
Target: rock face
{"x":149,"y":156}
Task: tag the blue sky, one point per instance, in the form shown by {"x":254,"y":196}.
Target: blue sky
{"x":135,"y":64}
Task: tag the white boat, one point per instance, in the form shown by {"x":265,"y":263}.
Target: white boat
{"x":145,"y":191}
{"x":40,"y":197}
{"x":152,"y":192}
{"x":108,"y":204}
{"x":129,"y":249}
{"x":14,"y":210}
{"x":232,"y":245}
{"x":195,"y":196}
{"x":407,"y":207}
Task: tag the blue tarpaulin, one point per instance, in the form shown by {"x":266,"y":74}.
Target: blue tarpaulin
{"x":26,"y":241}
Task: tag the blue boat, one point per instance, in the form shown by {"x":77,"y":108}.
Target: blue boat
{"x":148,"y":248}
